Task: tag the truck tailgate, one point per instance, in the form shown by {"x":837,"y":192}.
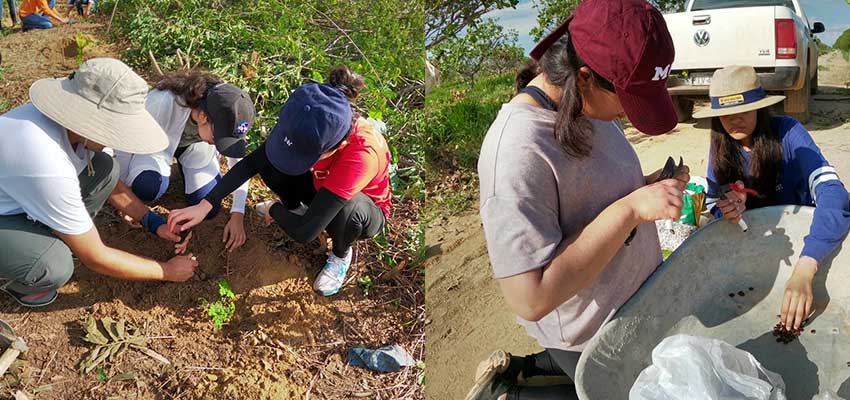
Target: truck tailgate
{"x":715,"y":38}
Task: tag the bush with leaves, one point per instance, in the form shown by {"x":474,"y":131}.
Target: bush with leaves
{"x":481,"y":50}
{"x":551,"y":13}
{"x":270,"y":47}
{"x":446,"y":18}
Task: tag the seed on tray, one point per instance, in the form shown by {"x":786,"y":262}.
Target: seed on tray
{"x":751,"y":288}
{"x":731,"y":294}
{"x":741,"y":293}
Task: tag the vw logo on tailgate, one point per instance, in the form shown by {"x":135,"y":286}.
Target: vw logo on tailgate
{"x":701,"y":37}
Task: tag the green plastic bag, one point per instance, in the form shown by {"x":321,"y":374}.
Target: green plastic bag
{"x":688,"y":210}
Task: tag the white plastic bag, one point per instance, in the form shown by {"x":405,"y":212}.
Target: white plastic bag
{"x":696,"y":368}
{"x":827,"y":395}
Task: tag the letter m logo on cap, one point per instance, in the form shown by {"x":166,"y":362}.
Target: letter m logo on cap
{"x":661,"y":73}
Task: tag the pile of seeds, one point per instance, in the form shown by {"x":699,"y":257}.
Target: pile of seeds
{"x":784,"y":335}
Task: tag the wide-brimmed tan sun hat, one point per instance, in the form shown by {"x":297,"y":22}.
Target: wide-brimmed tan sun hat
{"x":103,"y":101}
{"x":736,"y":89}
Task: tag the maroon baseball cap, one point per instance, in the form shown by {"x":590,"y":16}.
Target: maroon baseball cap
{"x":627,"y":43}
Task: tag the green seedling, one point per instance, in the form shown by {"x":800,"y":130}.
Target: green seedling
{"x":82,"y":43}
{"x":223,"y":310}
{"x":366,"y":284}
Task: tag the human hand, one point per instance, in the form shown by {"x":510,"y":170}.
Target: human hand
{"x":185,"y":218}
{"x":129,"y":220}
{"x":264,"y":208}
{"x":734,"y":205}
{"x":662,"y":200}
{"x":179,"y":268}
{"x":797,"y":302}
{"x":234,"y":232}
{"x":181,"y":247}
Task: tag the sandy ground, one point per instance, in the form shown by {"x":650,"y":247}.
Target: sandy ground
{"x":468,"y":316}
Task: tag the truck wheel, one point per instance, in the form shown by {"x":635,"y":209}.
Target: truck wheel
{"x":815,"y":84}
{"x":684,"y":108}
{"x":797,"y":102}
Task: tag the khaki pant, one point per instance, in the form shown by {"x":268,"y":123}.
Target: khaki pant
{"x":33,"y":258}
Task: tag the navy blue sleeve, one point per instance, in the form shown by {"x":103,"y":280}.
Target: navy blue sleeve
{"x":711,"y":192}
{"x":832,"y":212}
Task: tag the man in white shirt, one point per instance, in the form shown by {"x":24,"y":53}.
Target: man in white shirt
{"x":54,"y":178}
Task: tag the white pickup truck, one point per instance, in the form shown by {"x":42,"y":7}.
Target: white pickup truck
{"x":773,"y":36}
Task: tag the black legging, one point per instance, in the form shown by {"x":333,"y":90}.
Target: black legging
{"x":345,"y":220}
{"x":359,"y":218}
{"x":551,"y":362}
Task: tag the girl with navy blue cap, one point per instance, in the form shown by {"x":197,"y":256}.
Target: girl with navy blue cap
{"x":330,"y":168}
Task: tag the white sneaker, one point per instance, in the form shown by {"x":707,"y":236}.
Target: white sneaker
{"x":330,"y":280}
{"x":263,"y":208}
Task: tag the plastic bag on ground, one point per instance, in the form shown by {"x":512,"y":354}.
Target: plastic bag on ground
{"x":697,"y":368}
{"x":385,"y":359}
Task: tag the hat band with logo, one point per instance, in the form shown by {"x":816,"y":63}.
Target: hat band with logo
{"x":750,"y":96}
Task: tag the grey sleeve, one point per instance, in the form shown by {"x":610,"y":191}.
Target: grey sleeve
{"x":523,"y":234}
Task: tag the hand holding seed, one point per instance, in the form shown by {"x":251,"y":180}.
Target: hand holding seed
{"x":797,"y":302}
{"x":662,"y":200}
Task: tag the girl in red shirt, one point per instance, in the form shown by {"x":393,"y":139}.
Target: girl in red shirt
{"x":330,"y":168}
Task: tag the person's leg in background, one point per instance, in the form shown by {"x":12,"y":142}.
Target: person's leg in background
{"x":149,"y":186}
{"x":35,"y":21}
{"x":498,"y":377}
{"x":13,"y":11}
{"x":359,"y":219}
{"x":198,"y":195}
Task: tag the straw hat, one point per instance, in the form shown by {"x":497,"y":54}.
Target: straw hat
{"x":103,"y":101}
{"x":736,"y":89}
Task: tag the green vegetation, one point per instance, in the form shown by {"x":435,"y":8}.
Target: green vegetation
{"x":486,"y":47}
{"x":82,"y":42}
{"x":270,"y":47}
{"x":552,"y":13}
{"x":823,"y":48}
{"x":843,"y":44}
{"x":223,"y":310}
{"x":366,"y":284}
{"x":458,"y":118}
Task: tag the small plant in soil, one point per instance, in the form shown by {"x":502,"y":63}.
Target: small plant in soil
{"x":82,"y":42}
{"x":223,"y":310}
{"x":366,"y":284}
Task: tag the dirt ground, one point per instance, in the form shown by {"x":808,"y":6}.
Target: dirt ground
{"x":285,"y":341}
{"x":468,"y":317}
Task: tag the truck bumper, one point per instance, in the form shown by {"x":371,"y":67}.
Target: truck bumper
{"x":781,"y":79}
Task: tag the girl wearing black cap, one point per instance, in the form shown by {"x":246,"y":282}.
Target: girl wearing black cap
{"x":203,"y":117}
{"x":330,"y":168}
{"x":568,"y":214}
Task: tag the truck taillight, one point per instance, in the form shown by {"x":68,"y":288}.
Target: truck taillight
{"x":786,"y":39}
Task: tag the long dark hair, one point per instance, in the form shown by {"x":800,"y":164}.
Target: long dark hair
{"x":560,"y":64}
{"x":190,"y":86}
{"x":765,"y":164}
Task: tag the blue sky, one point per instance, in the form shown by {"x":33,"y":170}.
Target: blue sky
{"x":835,"y":14}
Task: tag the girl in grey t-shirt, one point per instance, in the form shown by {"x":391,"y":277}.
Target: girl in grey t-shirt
{"x":567,"y":212}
